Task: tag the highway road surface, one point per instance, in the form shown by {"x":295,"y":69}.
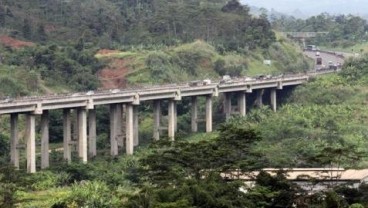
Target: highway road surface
{"x":326,"y":58}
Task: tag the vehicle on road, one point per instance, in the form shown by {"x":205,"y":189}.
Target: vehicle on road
{"x":318,"y":61}
{"x":311,"y":47}
{"x":317,"y":53}
{"x":207,"y":82}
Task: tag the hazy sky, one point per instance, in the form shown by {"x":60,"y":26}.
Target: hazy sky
{"x":312,"y":7}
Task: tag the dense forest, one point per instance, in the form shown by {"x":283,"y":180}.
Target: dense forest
{"x":61,"y":46}
{"x":109,"y":22}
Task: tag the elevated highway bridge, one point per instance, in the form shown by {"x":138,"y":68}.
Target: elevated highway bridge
{"x":83,"y":105}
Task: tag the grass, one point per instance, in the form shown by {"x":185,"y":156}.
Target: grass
{"x":257,"y":67}
{"x":118,"y":54}
{"x":40,"y":199}
{"x":357,"y":48}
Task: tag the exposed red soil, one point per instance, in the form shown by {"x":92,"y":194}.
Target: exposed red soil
{"x":14,"y":43}
{"x":113,"y":76}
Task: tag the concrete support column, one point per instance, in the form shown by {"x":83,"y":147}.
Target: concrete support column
{"x":31,"y":143}
{"x":114,"y":149}
{"x":129,"y":129}
{"x":45,"y":140}
{"x":82,"y":137}
{"x":227,"y":105}
{"x":156,"y":119}
{"x":259,"y":99}
{"x":136,"y":125}
{"x":242,"y":104}
{"x":176,"y":117}
{"x":171,"y":117}
{"x":121,"y":140}
{"x":194,"y":114}
{"x":75,"y":130}
{"x":92,"y":133}
{"x":67,"y":134}
{"x":14,"y":152}
{"x":209,"y":114}
{"x":119,"y":123}
{"x":273,"y":100}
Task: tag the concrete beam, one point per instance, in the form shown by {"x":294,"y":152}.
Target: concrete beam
{"x":67,"y":134}
{"x":45,"y":140}
{"x":82,"y":137}
{"x":136,"y":126}
{"x":242,"y":103}
{"x":156,"y":119}
{"x":171,"y":118}
{"x":129,"y":130}
{"x":208,"y":114}
{"x":92,"y":133}
{"x":31,"y":142}
{"x":194,"y":113}
{"x":14,"y":152}
{"x":273,"y":100}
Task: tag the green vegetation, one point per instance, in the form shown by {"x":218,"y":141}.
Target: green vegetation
{"x":108,"y":23}
{"x":343,"y":30}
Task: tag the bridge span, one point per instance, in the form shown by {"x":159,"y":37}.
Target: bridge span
{"x":127,"y":101}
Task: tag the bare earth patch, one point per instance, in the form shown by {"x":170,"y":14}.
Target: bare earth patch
{"x":113,"y":76}
{"x":14,"y":43}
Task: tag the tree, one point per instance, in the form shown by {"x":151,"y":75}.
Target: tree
{"x":2,"y":16}
{"x":41,"y":34}
{"x":27,"y":29}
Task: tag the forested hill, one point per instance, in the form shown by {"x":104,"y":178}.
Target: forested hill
{"x":129,"y":22}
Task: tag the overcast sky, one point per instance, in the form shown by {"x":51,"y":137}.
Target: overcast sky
{"x":312,"y":7}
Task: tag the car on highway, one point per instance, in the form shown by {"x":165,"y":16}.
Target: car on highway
{"x":317,"y":53}
{"x":319,"y":61}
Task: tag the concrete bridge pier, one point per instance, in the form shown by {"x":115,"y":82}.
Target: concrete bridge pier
{"x":176,"y":117}
{"x":92,"y":133}
{"x":114,"y":129}
{"x":14,"y":140}
{"x":273,"y":100}
{"x":129,"y":129}
{"x":156,"y":119}
{"x":119,"y":124}
{"x":135,"y":126}
{"x":259,"y":99}
{"x":67,"y":134}
{"x":209,"y":113}
{"x":194,"y":114}
{"x":82,"y":136}
{"x":45,"y":163}
{"x":242,"y":103}
{"x":227,"y":105}
{"x":172,"y":119}
{"x":31,"y":142}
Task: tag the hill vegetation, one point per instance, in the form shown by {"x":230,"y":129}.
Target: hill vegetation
{"x":158,"y":42}
{"x":343,"y":30}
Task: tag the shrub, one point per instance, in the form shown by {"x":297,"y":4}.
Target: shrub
{"x":89,"y":194}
